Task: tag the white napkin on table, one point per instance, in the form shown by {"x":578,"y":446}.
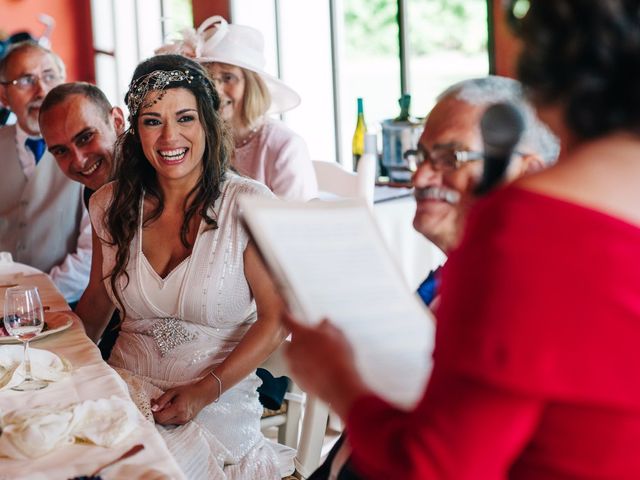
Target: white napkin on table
{"x":6,"y":258}
{"x":34,"y":432}
{"x":105,"y":422}
{"x":45,"y":365}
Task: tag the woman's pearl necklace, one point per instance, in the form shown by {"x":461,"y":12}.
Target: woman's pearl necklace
{"x":247,"y":138}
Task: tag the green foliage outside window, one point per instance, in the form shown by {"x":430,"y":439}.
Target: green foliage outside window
{"x":434,"y":26}
{"x":178,"y":16}
{"x":371,"y":26}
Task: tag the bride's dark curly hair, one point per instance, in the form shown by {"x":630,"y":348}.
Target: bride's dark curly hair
{"x":584,"y":55}
{"x":136,"y":175}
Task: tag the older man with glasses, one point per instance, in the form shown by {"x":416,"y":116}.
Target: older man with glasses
{"x":448,"y":165}
{"x":449,"y":155}
{"x":43,"y":222}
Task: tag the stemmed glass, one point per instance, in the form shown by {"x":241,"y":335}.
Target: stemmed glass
{"x":24,"y":319}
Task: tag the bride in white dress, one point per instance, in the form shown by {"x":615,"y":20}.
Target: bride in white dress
{"x":200,"y":312}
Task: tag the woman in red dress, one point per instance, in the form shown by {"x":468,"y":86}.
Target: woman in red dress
{"x":535,"y":371}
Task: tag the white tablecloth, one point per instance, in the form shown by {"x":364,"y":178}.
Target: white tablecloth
{"x":91,"y":379}
{"x":416,"y":256}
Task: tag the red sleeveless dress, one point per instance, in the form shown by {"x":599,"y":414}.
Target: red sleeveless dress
{"x":537,"y":360}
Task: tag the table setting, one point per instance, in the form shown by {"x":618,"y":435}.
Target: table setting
{"x":81,"y":422}
{"x":13,"y":274}
{"x":53,"y":323}
{"x":45,"y":366}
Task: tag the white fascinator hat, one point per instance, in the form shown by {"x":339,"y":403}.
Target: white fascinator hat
{"x":215,"y":40}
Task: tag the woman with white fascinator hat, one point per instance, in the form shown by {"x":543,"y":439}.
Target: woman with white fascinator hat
{"x":265,"y":148}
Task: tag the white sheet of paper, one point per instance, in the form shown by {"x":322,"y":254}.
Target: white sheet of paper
{"x":331,"y":261}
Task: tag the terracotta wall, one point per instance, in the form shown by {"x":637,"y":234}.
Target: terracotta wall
{"x":71,"y":37}
{"x":203,"y":9}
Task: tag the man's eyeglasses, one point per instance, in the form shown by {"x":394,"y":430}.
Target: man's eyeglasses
{"x":226,"y":79}
{"x":441,"y":158}
{"x":29,"y":80}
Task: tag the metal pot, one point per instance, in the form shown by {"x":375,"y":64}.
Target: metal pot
{"x":397,"y":138}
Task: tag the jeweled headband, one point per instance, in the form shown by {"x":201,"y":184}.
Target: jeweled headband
{"x":157,"y":80}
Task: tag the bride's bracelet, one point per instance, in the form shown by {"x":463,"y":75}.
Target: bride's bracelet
{"x":219,"y":385}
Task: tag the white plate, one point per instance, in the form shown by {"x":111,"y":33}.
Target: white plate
{"x":55,"y":326}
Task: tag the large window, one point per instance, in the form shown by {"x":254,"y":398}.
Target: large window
{"x":128,"y":31}
{"x":331,"y":52}
{"x":447,"y":43}
{"x":334,"y":52}
{"x":370,"y":65}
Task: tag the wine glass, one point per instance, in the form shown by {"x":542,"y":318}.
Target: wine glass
{"x":24,"y":319}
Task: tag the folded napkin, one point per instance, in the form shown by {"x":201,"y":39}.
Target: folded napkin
{"x":45,"y":365}
{"x":104,"y":422}
{"x":5,"y":258}
{"x":34,"y":432}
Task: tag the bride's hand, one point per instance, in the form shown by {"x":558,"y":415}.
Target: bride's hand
{"x":179,"y":405}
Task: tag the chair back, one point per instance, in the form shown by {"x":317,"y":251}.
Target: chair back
{"x":309,"y":438}
{"x":335,"y":181}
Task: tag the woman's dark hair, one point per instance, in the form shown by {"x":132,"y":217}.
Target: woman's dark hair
{"x":584,"y":55}
{"x":136,"y":175}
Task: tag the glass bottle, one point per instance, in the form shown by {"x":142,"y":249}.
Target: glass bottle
{"x":405,"y":105}
{"x":357,"y":146}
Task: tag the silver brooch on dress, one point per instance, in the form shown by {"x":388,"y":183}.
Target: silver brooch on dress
{"x":169,"y":333}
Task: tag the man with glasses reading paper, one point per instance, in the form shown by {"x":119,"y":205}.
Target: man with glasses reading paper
{"x":448,"y":167}
{"x":43,"y":222}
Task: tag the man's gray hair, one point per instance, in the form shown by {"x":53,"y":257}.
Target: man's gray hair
{"x":28,"y":44}
{"x":493,"y":89}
